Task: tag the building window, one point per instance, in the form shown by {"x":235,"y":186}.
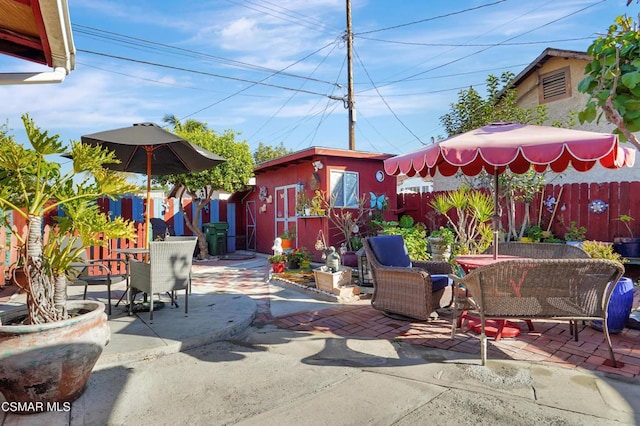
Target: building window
{"x":554,"y":85}
{"x":344,"y":188}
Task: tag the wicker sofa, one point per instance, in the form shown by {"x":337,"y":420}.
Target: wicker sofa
{"x":562,"y":289}
{"x":407,"y":291}
{"x":540,"y":250}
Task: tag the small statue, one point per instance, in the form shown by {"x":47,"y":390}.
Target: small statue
{"x":332,"y":259}
{"x":277,"y":246}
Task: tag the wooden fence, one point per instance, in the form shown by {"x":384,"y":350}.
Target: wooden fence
{"x":572,"y":203}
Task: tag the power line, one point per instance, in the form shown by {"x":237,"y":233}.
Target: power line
{"x":314,"y":24}
{"x":524,"y":43}
{"x":261,"y":83}
{"x":384,"y":100}
{"x":148,"y":44}
{"x":430,"y":19}
{"x":490,"y":47}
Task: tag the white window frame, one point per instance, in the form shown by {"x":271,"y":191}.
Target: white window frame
{"x":349,"y":200}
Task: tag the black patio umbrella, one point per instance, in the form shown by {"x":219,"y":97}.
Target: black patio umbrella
{"x":147,"y":148}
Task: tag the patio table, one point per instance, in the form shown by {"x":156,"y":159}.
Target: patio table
{"x":493,"y":328}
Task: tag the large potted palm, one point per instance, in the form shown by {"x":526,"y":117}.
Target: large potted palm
{"x":49,"y":347}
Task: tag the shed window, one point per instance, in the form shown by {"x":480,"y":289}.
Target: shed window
{"x":554,"y":85}
{"x":344,"y":188}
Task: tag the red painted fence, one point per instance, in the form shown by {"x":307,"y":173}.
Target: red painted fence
{"x":572,"y":205}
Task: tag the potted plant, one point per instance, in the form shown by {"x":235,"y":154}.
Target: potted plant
{"x":317,"y":203}
{"x":576,"y":234}
{"x":288,"y":237}
{"x":621,"y":301}
{"x":627,"y":246}
{"x":303,"y":206}
{"x":440,"y":243}
{"x":299,"y":258}
{"x":535,"y":233}
{"x":347,"y":221}
{"x":52,"y":345}
{"x":277,"y":262}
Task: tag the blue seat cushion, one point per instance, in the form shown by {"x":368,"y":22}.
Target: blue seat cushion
{"x":390,"y":250}
{"x":438,"y":282}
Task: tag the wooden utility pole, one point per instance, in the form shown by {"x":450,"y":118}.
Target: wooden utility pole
{"x":352,"y":113}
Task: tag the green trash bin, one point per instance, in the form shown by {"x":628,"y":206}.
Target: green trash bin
{"x":216,"y":234}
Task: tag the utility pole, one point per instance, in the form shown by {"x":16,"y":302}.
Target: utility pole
{"x":352,"y":113}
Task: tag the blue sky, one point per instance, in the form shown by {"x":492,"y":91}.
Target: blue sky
{"x":266,"y":68}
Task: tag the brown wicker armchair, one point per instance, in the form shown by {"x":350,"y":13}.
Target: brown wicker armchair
{"x":407,"y":291}
{"x":540,"y":250}
{"x":562,"y":289}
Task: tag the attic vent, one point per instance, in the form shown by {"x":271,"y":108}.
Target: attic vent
{"x":555,"y":85}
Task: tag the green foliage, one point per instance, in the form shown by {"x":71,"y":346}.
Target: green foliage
{"x":277,"y":258}
{"x":600,"y":250}
{"x":289,"y":234}
{"x":472,"y":111}
{"x":613,"y":79}
{"x":33,"y":186}
{"x":626,"y":219}
{"x":535,"y":232}
{"x":231,"y":176}
{"x":414,"y":238}
{"x":299,"y":255}
{"x":266,"y":152}
{"x":473,"y":210}
{"x":406,"y":221}
{"x":575,"y":232}
{"x":446,"y":234}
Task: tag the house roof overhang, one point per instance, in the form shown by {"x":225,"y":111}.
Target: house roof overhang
{"x":38,"y":31}
{"x":309,"y":154}
{"x":547,"y":54}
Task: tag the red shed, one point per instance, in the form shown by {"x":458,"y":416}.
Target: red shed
{"x":271,"y":207}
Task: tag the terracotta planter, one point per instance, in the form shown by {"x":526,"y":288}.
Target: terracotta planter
{"x":287,"y":244}
{"x":51,"y":362}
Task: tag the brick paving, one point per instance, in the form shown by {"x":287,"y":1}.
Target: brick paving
{"x":550,"y":342}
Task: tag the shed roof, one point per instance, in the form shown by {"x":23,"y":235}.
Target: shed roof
{"x":310,"y":153}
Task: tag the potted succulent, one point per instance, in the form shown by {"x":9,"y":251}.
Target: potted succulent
{"x":277,"y":262}
{"x":51,"y":344}
{"x":621,"y":301}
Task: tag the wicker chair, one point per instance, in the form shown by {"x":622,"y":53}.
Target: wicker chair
{"x":168,"y":270}
{"x":407,"y":291}
{"x":563,"y":289}
{"x":540,"y":250}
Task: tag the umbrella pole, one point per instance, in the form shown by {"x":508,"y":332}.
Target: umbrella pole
{"x":147,"y":218}
{"x":496,"y":216}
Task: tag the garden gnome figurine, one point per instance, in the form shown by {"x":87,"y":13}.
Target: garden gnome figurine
{"x":277,"y":246}
{"x":332,"y":259}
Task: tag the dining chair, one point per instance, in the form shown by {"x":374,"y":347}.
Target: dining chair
{"x":93,"y":272}
{"x":168,"y":270}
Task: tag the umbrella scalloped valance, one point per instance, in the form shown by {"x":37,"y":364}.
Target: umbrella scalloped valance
{"x":499,"y":146}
